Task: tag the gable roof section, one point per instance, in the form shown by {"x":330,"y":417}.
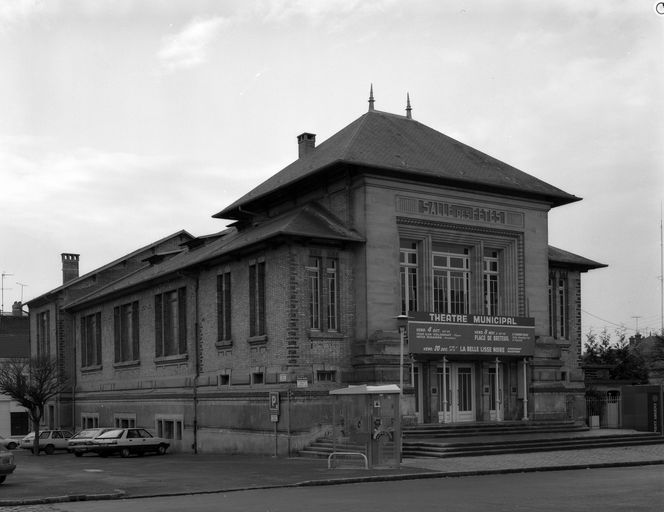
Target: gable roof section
{"x":401,"y":145}
{"x":50,"y":294}
{"x":310,"y":221}
{"x":567,"y":259}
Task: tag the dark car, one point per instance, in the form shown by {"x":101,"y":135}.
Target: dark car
{"x":128,"y":441}
{"x":81,"y":442}
{"x":7,"y":465}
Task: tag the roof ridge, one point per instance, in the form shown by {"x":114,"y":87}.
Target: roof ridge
{"x":112,"y":263}
{"x":351,"y":140}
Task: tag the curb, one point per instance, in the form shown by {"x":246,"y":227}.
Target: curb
{"x":478,"y":472}
{"x":119,"y":494}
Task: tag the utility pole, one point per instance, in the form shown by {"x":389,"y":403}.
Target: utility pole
{"x":661,"y":272}
{"x":2,"y":291}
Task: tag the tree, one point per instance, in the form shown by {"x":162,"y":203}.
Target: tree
{"x":627,"y":363}
{"x":32,"y":382}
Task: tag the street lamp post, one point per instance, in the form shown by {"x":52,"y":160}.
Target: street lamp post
{"x":402,"y":321}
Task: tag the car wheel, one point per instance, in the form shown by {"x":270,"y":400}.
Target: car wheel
{"x":49,"y":449}
{"x":124,"y":452}
{"x":161,"y":450}
{"x":78,"y":454}
{"x":2,"y":478}
{"x":11,"y":446}
{"x":103,"y":454}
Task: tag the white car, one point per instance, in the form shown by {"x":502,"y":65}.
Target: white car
{"x":8,"y":443}
{"x":49,"y":440}
{"x":128,"y":441}
{"x":81,"y":442}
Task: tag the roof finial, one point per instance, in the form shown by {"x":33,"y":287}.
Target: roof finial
{"x":371,"y":99}
{"x":408,"y":108}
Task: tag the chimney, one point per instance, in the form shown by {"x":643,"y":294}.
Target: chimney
{"x":17,"y":309}
{"x":306,"y":143}
{"x":69,"y":267}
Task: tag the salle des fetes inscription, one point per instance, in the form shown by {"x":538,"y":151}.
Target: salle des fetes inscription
{"x":458,"y":212}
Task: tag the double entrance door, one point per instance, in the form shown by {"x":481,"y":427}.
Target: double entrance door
{"x":457,"y":396}
{"x":456,"y":384}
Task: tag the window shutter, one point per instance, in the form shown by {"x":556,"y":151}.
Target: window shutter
{"x":227,"y":305}
{"x":158,"y":326}
{"x":261,"y":298}
{"x":135,"y":345}
{"x":252,"y":301}
{"x":84,"y":351}
{"x":117,"y":333}
{"x":98,"y":338}
{"x":182,"y":320}
{"x":220,"y":308}
{"x":47,"y":335}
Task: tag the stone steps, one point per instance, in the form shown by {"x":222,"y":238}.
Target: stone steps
{"x":470,"y":449}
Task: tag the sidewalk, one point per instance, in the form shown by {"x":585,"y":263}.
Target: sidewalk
{"x":63,"y":477}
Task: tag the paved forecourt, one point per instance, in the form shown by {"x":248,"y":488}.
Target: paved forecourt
{"x":63,"y":477}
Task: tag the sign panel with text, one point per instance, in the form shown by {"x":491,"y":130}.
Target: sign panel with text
{"x":439,"y":333}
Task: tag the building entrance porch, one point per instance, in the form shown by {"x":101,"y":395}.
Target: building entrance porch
{"x":461,"y":391}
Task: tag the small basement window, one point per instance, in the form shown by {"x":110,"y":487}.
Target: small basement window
{"x":326,"y":376}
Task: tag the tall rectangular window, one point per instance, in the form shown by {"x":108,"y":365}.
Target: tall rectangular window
{"x":323,"y":290}
{"x":451,"y":282}
{"x":562,"y":308}
{"x":44,"y":333}
{"x":257,"y":299}
{"x":490,"y":278}
{"x":552,"y":317}
{"x":313,"y":276}
{"x":91,"y":340}
{"x":171,"y":323}
{"x":332,"y":295}
{"x":224,"y":306}
{"x":408,"y":276}
{"x":558,"y":305}
{"x":126,"y":330}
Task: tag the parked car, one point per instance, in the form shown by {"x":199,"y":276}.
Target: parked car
{"x":7,"y":465}
{"x":128,"y":441}
{"x":8,"y":443}
{"x":81,"y":442}
{"x":49,"y":440}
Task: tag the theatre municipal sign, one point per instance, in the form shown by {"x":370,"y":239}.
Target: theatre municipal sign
{"x":438,"y":333}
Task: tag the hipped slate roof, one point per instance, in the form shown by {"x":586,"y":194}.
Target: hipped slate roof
{"x":400,"y":145}
{"x":311,"y":221}
{"x":568,"y":259}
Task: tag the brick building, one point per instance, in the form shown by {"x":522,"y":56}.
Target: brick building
{"x":301,"y":292}
{"x":51,"y":327}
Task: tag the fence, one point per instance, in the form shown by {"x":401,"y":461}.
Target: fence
{"x":604,"y":411}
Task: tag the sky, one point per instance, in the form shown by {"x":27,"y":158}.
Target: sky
{"x":125,"y":121}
